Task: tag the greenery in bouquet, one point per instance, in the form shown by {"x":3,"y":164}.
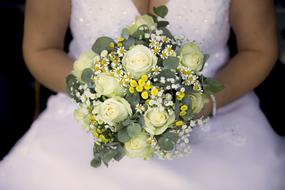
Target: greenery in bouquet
{"x":138,"y":95}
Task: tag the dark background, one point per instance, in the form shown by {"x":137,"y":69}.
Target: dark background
{"x":18,"y":88}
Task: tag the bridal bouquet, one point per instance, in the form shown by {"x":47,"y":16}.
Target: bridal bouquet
{"x":138,"y":94}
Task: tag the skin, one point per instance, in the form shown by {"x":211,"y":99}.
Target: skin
{"x":253,"y":22}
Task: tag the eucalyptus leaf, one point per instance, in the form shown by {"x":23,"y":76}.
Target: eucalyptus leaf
{"x":129,"y":43}
{"x":96,"y":163}
{"x":166,"y":73}
{"x":177,"y":109}
{"x":134,"y":130}
{"x":120,"y":153}
{"x":87,"y":75}
{"x":171,"y":63}
{"x":125,"y":33}
{"x":166,"y":143}
{"x":171,"y":136}
{"x":162,"y":23}
{"x":108,"y":156}
{"x":123,"y":136}
{"x":161,"y":11}
{"x":102,"y":43}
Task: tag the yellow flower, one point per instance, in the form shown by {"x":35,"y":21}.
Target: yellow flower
{"x":154,"y":91}
{"x":120,"y":39}
{"x":120,"y":44}
{"x":183,"y":113}
{"x":144,"y":95}
{"x":132,"y":90}
{"x":103,"y":138}
{"x":180,"y":96}
{"x":139,"y":88}
{"x":184,"y":108}
{"x":133,"y":83}
{"x":141,"y":82}
{"x":144,"y":77}
{"x":147,"y":86}
{"x":179,"y":123}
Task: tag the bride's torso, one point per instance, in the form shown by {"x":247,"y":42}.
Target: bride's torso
{"x":205,"y":21}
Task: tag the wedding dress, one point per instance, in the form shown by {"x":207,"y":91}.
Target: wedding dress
{"x":236,"y":150}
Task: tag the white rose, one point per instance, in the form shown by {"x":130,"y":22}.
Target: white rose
{"x":113,"y":110}
{"x":198,"y":101}
{"x":142,"y":20}
{"x":139,"y":147}
{"x":156,"y":121}
{"x":108,"y":85}
{"x":84,"y":61}
{"x":139,"y":60}
{"x":191,"y":57}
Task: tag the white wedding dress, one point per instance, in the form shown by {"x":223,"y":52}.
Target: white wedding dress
{"x":236,"y":150}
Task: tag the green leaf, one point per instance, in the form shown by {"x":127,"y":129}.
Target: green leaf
{"x":129,"y":43}
{"x":177,"y":109}
{"x":167,"y":73}
{"x":108,"y":156}
{"x":166,"y":143}
{"x":171,"y":63}
{"x":125,"y":33}
{"x":162,"y":23}
{"x":212,"y":86}
{"x":161,"y":11}
{"x":102,"y":43}
{"x":120,"y":153}
{"x":87,"y":75}
{"x":96,"y":162}
{"x":171,"y":136}
{"x":123,"y":136}
{"x":134,"y":130}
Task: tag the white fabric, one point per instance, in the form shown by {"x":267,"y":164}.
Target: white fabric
{"x":236,"y":150}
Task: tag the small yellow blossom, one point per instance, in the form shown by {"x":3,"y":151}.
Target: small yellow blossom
{"x":141,"y":82}
{"x":120,"y":39}
{"x":132,"y":90}
{"x":147,"y":86}
{"x":183,"y":113}
{"x":179,"y":123}
{"x":139,"y":88}
{"x":133,"y":83}
{"x":154,"y":91}
{"x":144,"y":77}
{"x":184,"y":108}
{"x":144,"y":95}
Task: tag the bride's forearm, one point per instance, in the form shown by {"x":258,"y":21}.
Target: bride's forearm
{"x":243,"y":73}
{"x":50,"y":67}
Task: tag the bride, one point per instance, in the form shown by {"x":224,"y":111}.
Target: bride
{"x":236,"y":150}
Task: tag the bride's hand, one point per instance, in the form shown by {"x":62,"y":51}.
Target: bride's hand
{"x":206,"y":111}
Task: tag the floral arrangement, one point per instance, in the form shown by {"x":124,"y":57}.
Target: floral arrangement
{"x":138,"y":95}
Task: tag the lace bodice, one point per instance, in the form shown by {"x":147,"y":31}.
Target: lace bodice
{"x":205,"y":21}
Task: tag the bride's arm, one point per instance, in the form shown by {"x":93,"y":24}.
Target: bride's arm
{"x":253,"y":22}
{"x":46,"y":22}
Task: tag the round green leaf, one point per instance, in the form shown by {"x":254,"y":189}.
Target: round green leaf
{"x":96,"y":162}
{"x":134,"y":129}
{"x":102,"y":43}
{"x":87,"y":74}
{"x":166,"y":144}
{"x":161,"y":11}
{"x":123,"y":136}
